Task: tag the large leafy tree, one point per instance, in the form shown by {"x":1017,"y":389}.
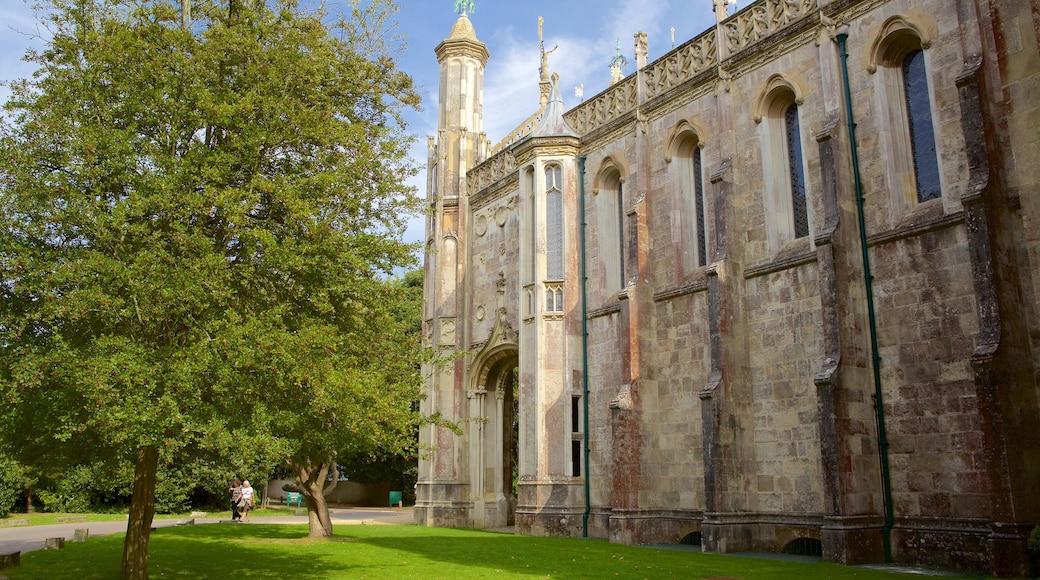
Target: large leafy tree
{"x":199,"y":204}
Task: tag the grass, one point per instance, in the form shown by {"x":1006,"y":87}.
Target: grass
{"x":47,"y":518}
{"x":395,"y":552}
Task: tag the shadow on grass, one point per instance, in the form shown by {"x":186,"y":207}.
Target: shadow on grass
{"x":393,"y":552}
{"x":470,"y":550}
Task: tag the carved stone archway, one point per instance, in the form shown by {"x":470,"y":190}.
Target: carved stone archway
{"x":493,"y":438}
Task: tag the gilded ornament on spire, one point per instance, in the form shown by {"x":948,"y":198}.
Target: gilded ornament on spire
{"x":465,"y":7}
{"x":617,"y":63}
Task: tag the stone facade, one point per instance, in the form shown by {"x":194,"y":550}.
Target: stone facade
{"x":719,"y":376}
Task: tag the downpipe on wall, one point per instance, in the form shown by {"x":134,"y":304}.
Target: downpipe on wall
{"x":879,"y":408}
{"x":584,"y":351}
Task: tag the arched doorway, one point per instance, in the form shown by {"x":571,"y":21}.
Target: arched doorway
{"x":494,"y":433}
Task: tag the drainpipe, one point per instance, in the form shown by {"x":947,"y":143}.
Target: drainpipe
{"x":584,"y":350}
{"x":879,"y":408}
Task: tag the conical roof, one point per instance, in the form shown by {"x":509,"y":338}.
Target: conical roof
{"x":553,"y":124}
{"x":463,"y":30}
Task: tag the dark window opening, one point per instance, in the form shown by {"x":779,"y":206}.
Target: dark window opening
{"x":698,"y":199}
{"x":576,"y":458}
{"x":794,"y":158}
{"x":922,"y":132}
{"x":804,"y":547}
{"x":575,"y":414}
{"x":691,"y":539}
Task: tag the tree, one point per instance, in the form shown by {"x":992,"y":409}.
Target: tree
{"x":195,"y":225}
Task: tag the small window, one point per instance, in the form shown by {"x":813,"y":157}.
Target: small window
{"x":576,"y":458}
{"x":554,"y":298}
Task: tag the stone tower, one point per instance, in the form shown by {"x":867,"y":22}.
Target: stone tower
{"x":458,"y":146}
{"x":550,"y":493}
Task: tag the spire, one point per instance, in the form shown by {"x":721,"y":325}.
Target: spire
{"x":543,"y":69}
{"x":463,"y":30}
{"x":553,"y":124}
{"x":462,"y":41}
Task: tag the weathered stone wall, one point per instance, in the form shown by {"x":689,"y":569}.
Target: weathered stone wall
{"x":737,"y":397}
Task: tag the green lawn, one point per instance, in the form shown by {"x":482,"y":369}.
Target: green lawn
{"x":395,"y":552}
{"x":46,"y":518}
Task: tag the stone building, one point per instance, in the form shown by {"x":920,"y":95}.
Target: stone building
{"x":810,"y":320}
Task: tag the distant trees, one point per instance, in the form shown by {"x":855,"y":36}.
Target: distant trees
{"x":198,"y":209}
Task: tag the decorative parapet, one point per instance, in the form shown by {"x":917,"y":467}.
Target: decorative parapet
{"x":762,"y":19}
{"x":496,"y":167}
{"x":619,"y":99}
{"x":681,"y":64}
{"x":743,"y":29}
{"x":520,"y":132}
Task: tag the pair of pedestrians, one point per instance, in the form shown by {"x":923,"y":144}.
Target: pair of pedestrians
{"x":241,"y":500}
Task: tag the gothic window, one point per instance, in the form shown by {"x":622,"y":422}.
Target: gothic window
{"x":909,"y":146}
{"x":529,"y":242}
{"x":619,"y":230}
{"x":609,"y":227}
{"x":698,"y":212}
{"x":784,"y":185}
{"x":553,"y":223}
{"x":922,"y":135}
{"x":796,"y":173}
{"x":554,"y":297}
{"x":691,"y":226}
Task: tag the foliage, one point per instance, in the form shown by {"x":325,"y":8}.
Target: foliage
{"x":14,"y":480}
{"x":195,"y":223}
{"x":1034,"y":540}
{"x":392,"y":552}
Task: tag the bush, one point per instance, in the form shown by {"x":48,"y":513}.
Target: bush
{"x":1034,"y":540}
{"x":14,"y":480}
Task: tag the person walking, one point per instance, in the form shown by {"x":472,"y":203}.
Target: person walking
{"x":247,"y":500}
{"x":236,"y":497}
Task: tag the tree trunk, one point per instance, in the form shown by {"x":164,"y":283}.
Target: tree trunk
{"x":28,"y":501}
{"x":312,"y":484}
{"x":185,"y":13}
{"x":142,"y":508}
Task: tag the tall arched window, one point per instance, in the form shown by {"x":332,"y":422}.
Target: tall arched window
{"x":799,"y":211}
{"x":786,"y":194}
{"x":620,"y":229}
{"x":922,"y":134}
{"x":554,"y":238}
{"x":690,"y":216}
{"x":910,"y":148}
{"x":609,"y":227}
{"x":698,"y":202}
{"x":553,"y":223}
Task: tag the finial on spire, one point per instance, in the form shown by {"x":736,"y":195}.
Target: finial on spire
{"x":465,"y":6}
{"x":617,"y":63}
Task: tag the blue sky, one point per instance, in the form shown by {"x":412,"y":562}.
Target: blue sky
{"x":585,"y":32}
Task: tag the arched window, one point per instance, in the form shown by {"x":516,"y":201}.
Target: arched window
{"x":553,"y":223}
{"x":529,"y":237}
{"x":783,"y":177}
{"x":910,"y":149}
{"x":799,"y":210}
{"x":609,"y":226}
{"x":690,"y":219}
{"x":922,"y":134}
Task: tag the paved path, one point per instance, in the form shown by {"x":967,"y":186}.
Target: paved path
{"x":27,"y":538}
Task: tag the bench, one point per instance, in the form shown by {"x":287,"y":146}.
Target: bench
{"x":292,"y":496}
